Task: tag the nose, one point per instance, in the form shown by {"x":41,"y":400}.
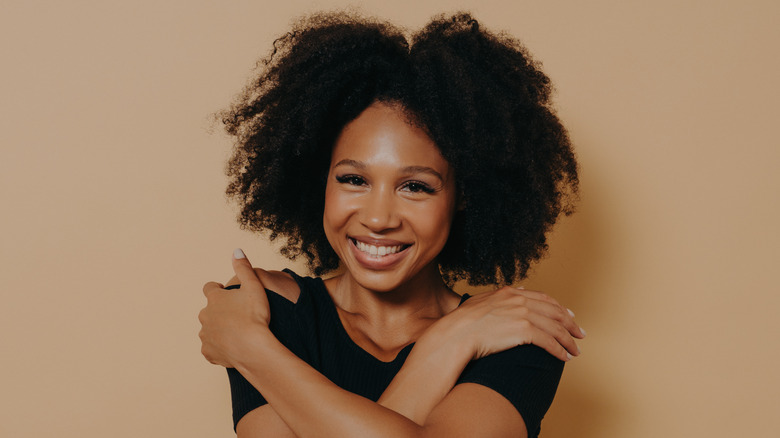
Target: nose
{"x":379,"y":211}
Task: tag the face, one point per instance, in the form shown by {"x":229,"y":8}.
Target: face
{"x":389,"y":200}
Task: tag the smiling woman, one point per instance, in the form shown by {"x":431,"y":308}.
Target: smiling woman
{"x":389,"y":201}
{"x":407,"y":166}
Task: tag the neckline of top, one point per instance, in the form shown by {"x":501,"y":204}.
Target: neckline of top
{"x":402,"y":353}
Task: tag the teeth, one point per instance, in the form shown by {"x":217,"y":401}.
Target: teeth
{"x":377,"y":251}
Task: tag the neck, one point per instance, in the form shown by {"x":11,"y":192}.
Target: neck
{"x":424,"y":297}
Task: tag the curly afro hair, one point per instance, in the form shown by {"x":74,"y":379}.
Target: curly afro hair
{"x":480,"y":97}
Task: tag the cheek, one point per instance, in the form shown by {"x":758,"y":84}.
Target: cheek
{"x":435,"y":223}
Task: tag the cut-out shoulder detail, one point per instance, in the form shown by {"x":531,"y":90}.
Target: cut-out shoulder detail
{"x":280,"y":282}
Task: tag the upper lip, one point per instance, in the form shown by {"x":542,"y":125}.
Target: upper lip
{"x":378,"y":242}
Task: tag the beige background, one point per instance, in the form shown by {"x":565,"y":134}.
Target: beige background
{"x":113,"y":214}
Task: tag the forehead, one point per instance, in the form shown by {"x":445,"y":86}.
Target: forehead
{"x":382,"y":134}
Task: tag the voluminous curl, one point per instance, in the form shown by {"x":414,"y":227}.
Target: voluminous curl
{"x":480,"y":97}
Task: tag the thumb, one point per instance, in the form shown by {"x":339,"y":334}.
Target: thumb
{"x":244,"y":271}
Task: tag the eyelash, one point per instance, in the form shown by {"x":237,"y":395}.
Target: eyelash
{"x":420,"y":187}
{"x":411,"y":186}
{"x":353,"y":180}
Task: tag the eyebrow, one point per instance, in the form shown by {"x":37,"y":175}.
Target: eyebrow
{"x":408,"y":170}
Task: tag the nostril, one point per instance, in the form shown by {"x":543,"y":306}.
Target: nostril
{"x":381,"y":221}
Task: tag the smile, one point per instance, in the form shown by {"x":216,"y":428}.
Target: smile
{"x":378,"y":251}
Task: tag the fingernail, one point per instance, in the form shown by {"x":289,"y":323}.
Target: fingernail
{"x":568,"y":356}
{"x":582,"y":330}
{"x":570,"y":313}
{"x":238,"y":254}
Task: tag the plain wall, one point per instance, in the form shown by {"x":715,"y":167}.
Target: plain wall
{"x":113,"y":213}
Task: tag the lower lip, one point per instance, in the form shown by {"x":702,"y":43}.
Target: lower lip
{"x":381,"y":262}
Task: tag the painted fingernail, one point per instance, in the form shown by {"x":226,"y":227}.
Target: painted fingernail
{"x":238,"y":254}
{"x":582,"y":330}
{"x":568,"y":356}
{"x":570,"y":313}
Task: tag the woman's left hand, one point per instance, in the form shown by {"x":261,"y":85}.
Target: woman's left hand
{"x":232,"y":318}
{"x":495,"y":321}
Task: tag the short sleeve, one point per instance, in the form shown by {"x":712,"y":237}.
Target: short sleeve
{"x":526,"y":375}
{"x":283,"y":325}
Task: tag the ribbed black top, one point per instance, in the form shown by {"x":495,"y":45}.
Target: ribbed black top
{"x":526,"y":375}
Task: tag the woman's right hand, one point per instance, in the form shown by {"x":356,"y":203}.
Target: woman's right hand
{"x":232,"y":319}
{"x":502,"y":319}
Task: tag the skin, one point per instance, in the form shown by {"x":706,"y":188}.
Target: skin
{"x":389,"y":186}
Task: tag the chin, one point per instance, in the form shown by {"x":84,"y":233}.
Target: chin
{"x":378,"y":282}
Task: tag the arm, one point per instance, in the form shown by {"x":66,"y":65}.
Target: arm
{"x":486,"y":324}
{"x":296,"y":391}
{"x":427,"y":374}
{"x":313,"y":406}
{"x":235,"y":334}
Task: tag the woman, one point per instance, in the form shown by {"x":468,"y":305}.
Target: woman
{"x":402,"y":167}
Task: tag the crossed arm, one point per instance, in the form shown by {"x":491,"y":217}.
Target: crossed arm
{"x":420,"y":401}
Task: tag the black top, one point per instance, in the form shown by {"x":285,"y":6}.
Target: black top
{"x":526,"y":375}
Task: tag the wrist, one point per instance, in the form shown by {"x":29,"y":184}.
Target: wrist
{"x":447,"y":339}
{"x":429,"y":373}
{"x":251,"y":346}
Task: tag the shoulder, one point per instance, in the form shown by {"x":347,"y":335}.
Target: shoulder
{"x":282,"y":283}
{"x":525,"y":366}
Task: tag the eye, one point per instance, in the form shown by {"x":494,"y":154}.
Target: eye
{"x":417,"y":187}
{"x":353,"y":180}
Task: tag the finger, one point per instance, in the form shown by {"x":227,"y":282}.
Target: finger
{"x":557,"y":331}
{"x":544,"y":340}
{"x":537,"y":302}
{"x":552,"y":311}
{"x":244,"y":271}
{"x":543,"y":303}
{"x":212,"y":286}
{"x":541,"y":296}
